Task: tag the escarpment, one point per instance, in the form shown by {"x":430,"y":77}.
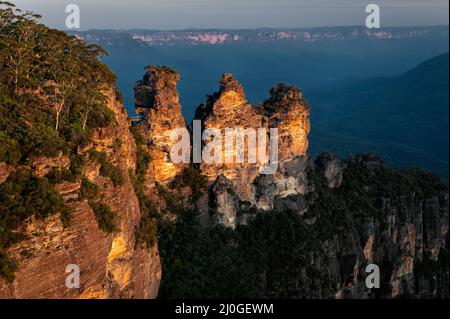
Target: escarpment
{"x":110,"y":263}
{"x":71,"y":212}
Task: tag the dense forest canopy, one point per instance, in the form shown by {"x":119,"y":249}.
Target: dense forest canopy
{"x":50,"y":85}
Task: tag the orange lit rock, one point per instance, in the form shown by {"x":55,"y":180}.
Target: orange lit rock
{"x":157,"y":102}
{"x":228,"y":108}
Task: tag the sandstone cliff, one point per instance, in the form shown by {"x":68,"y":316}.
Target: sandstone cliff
{"x":111,"y":266}
{"x":157,"y":102}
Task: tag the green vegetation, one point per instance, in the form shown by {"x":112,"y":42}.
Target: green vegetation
{"x":88,"y":190}
{"x":9,"y":149}
{"x":278,"y":254}
{"x":112,"y":172}
{"x":7,"y":267}
{"x":103,"y":214}
{"x":51,"y":87}
{"x":192,"y":177}
{"x":255,"y":261}
{"x":107,"y":169}
{"x":59,"y":175}
{"x":24,"y":195}
{"x":146,"y":234}
{"x":173,"y":199}
{"x":163,"y":68}
{"x":105,"y":217}
{"x":148,"y":229}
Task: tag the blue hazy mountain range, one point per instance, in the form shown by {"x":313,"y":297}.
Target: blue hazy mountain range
{"x":402,"y":118}
{"x":367,"y":93}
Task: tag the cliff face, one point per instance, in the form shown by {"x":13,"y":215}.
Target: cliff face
{"x":218,"y":38}
{"x":157,"y":102}
{"x":110,"y":264}
{"x":404,"y":235}
{"x":354,"y":213}
{"x":399,"y":227}
{"x":228,"y":108}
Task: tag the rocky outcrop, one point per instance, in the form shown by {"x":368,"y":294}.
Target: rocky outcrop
{"x":406,"y":233}
{"x":228,"y":108}
{"x":332,"y":168}
{"x":157,"y":102}
{"x":110,"y":264}
{"x":404,"y":230}
{"x":43,"y":165}
{"x":286,"y":111}
{"x":5,"y":170}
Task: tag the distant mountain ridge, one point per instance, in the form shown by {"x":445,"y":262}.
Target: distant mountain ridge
{"x":192,"y":37}
{"x":404,"y":118}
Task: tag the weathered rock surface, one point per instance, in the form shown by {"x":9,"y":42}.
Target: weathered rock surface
{"x":396,"y":220}
{"x":332,"y":169}
{"x":405,"y":232}
{"x":228,"y":108}
{"x":286,"y":111}
{"x":157,"y":102}
{"x":111,"y":266}
{"x":407,"y":236}
{"x":402,"y":231}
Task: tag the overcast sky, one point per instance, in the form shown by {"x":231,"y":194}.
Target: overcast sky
{"x":176,"y":14}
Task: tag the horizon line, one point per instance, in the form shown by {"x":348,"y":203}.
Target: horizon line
{"x":251,"y":29}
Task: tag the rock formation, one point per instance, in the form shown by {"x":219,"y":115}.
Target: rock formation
{"x":228,"y":108}
{"x":405,"y":233}
{"x":157,"y":102}
{"x":286,"y":111}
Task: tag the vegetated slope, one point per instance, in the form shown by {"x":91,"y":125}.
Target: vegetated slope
{"x":378,"y":215}
{"x":403,"y":118}
{"x":67,"y":166}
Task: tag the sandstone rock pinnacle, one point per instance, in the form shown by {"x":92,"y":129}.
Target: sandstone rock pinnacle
{"x":286,"y":110}
{"x":157,"y":102}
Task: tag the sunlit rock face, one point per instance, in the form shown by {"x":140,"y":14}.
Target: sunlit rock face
{"x":228,"y":108}
{"x":157,"y":102}
{"x":111,"y":265}
{"x":288,"y":111}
